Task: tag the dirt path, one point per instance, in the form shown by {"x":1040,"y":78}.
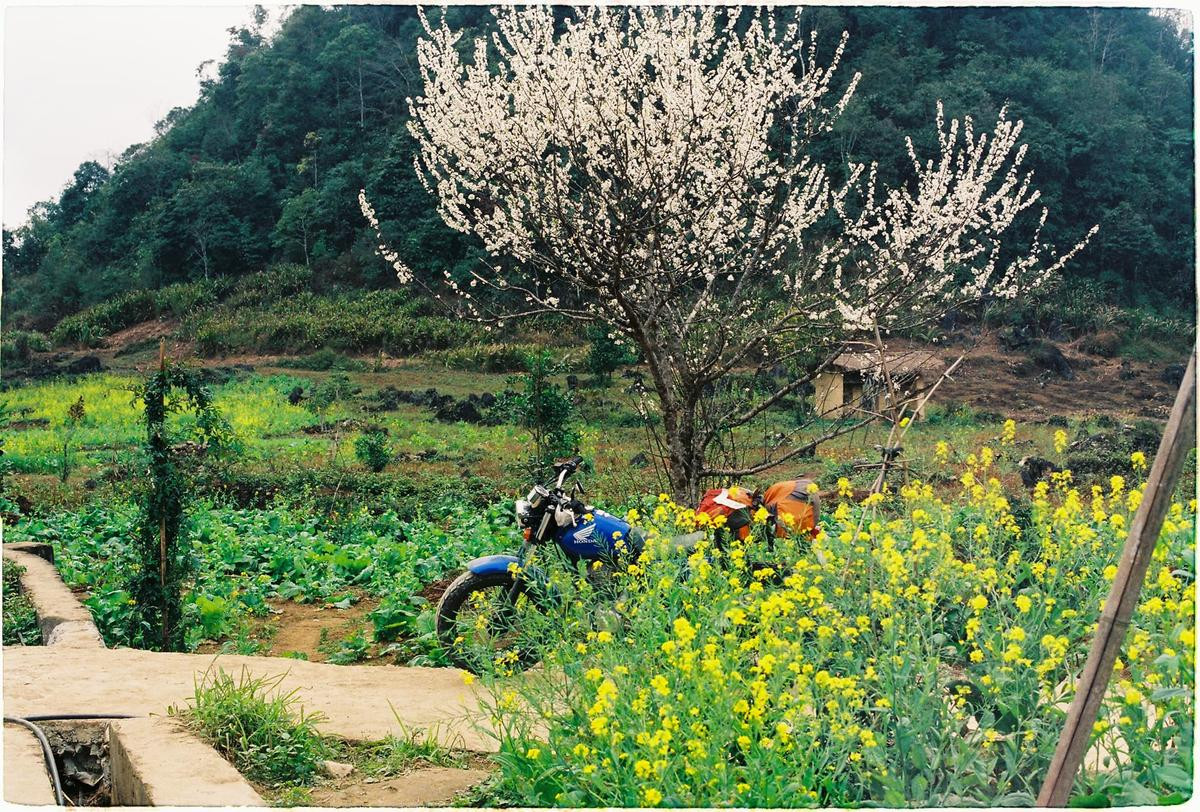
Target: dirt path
{"x":424,"y":786}
{"x":306,"y":631}
{"x":361,"y":703}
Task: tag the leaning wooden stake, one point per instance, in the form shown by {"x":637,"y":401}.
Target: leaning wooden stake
{"x":162,"y":528}
{"x":1177,"y":441}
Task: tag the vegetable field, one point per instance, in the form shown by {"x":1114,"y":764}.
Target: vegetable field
{"x":920,"y":648}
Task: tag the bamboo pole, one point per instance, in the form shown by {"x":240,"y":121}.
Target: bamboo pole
{"x":1177,"y":441}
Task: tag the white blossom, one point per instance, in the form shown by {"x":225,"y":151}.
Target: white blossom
{"x":653,"y":164}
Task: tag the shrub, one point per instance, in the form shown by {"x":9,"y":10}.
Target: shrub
{"x":541,"y":406}
{"x":275,"y":283}
{"x":324,"y":360}
{"x":1096,"y":456}
{"x":262,"y":731}
{"x":1085,"y":307}
{"x":346,"y":322}
{"x":89,"y":326}
{"x":606,"y":356}
{"x":373,"y":449}
{"x":18,"y":346}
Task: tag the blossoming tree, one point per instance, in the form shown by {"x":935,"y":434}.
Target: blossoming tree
{"x":650,"y":170}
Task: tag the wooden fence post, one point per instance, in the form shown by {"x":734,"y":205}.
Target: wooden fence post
{"x":1177,"y":441}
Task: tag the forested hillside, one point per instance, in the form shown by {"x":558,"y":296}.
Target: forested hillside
{"x":266,"y":166}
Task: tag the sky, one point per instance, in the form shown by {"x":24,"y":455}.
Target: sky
{"x":85,"y":82}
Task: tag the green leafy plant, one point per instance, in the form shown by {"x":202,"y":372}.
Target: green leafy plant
{"x":75,"y":416}
{"x":245,"y":640}
{"x":373,"y":449}
{"x":353,"y":648}
{"x":242,"y":558}
{"x":263,"y":731}
{"x":20,"y":618}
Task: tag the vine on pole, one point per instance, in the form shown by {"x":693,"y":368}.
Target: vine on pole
{"x":165,"y":560}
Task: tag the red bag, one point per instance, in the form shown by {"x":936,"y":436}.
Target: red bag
{"x":734,"y":503}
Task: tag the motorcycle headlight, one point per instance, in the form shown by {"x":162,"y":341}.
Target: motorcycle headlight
{"x":537,"y":496}
{"x":522,"y":508}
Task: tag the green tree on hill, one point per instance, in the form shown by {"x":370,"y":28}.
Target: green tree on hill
{"x":1105,"y":94}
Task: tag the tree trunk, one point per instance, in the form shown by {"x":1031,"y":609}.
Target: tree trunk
{"x":362,"y":113}
{"x":203,"y":253}
{"x":685,"y":456}
{"x":678,"y":402}
{"x":687,"y":462}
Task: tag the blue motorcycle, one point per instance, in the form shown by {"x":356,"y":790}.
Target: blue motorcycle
{"x":479,"y":614}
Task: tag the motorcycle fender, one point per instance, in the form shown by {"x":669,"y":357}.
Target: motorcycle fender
{"x":490,"y":564}
{"x":534,"y":576}
{"x":501,"y":563}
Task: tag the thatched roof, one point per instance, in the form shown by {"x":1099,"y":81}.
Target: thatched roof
{"x":907,"y":362}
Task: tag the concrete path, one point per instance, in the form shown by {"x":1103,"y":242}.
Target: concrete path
{"x":26,"y":780}
{"x":361,"y":703}
{"x":158,"y":762}
{"x":73,"y":673}
{"x":62,"y":618}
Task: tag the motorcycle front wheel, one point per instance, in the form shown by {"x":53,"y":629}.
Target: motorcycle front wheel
{"x":479,"y":622}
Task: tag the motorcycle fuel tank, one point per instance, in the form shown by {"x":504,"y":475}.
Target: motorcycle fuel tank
{"x":603,"y":536}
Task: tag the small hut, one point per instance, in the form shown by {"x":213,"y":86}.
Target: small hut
{"x":855,"y":381}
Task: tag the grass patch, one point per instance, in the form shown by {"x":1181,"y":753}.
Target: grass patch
{"x":293,"y":796}
{"x":397,"y":755}
{"x":261,"y":730}
{"x":484,"y":357}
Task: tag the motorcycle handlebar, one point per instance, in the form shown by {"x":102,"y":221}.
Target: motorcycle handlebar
{"x":564,"y":468}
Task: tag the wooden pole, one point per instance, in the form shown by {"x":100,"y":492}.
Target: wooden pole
{"x":162,"y":526}
{"x":1177,"y":441}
